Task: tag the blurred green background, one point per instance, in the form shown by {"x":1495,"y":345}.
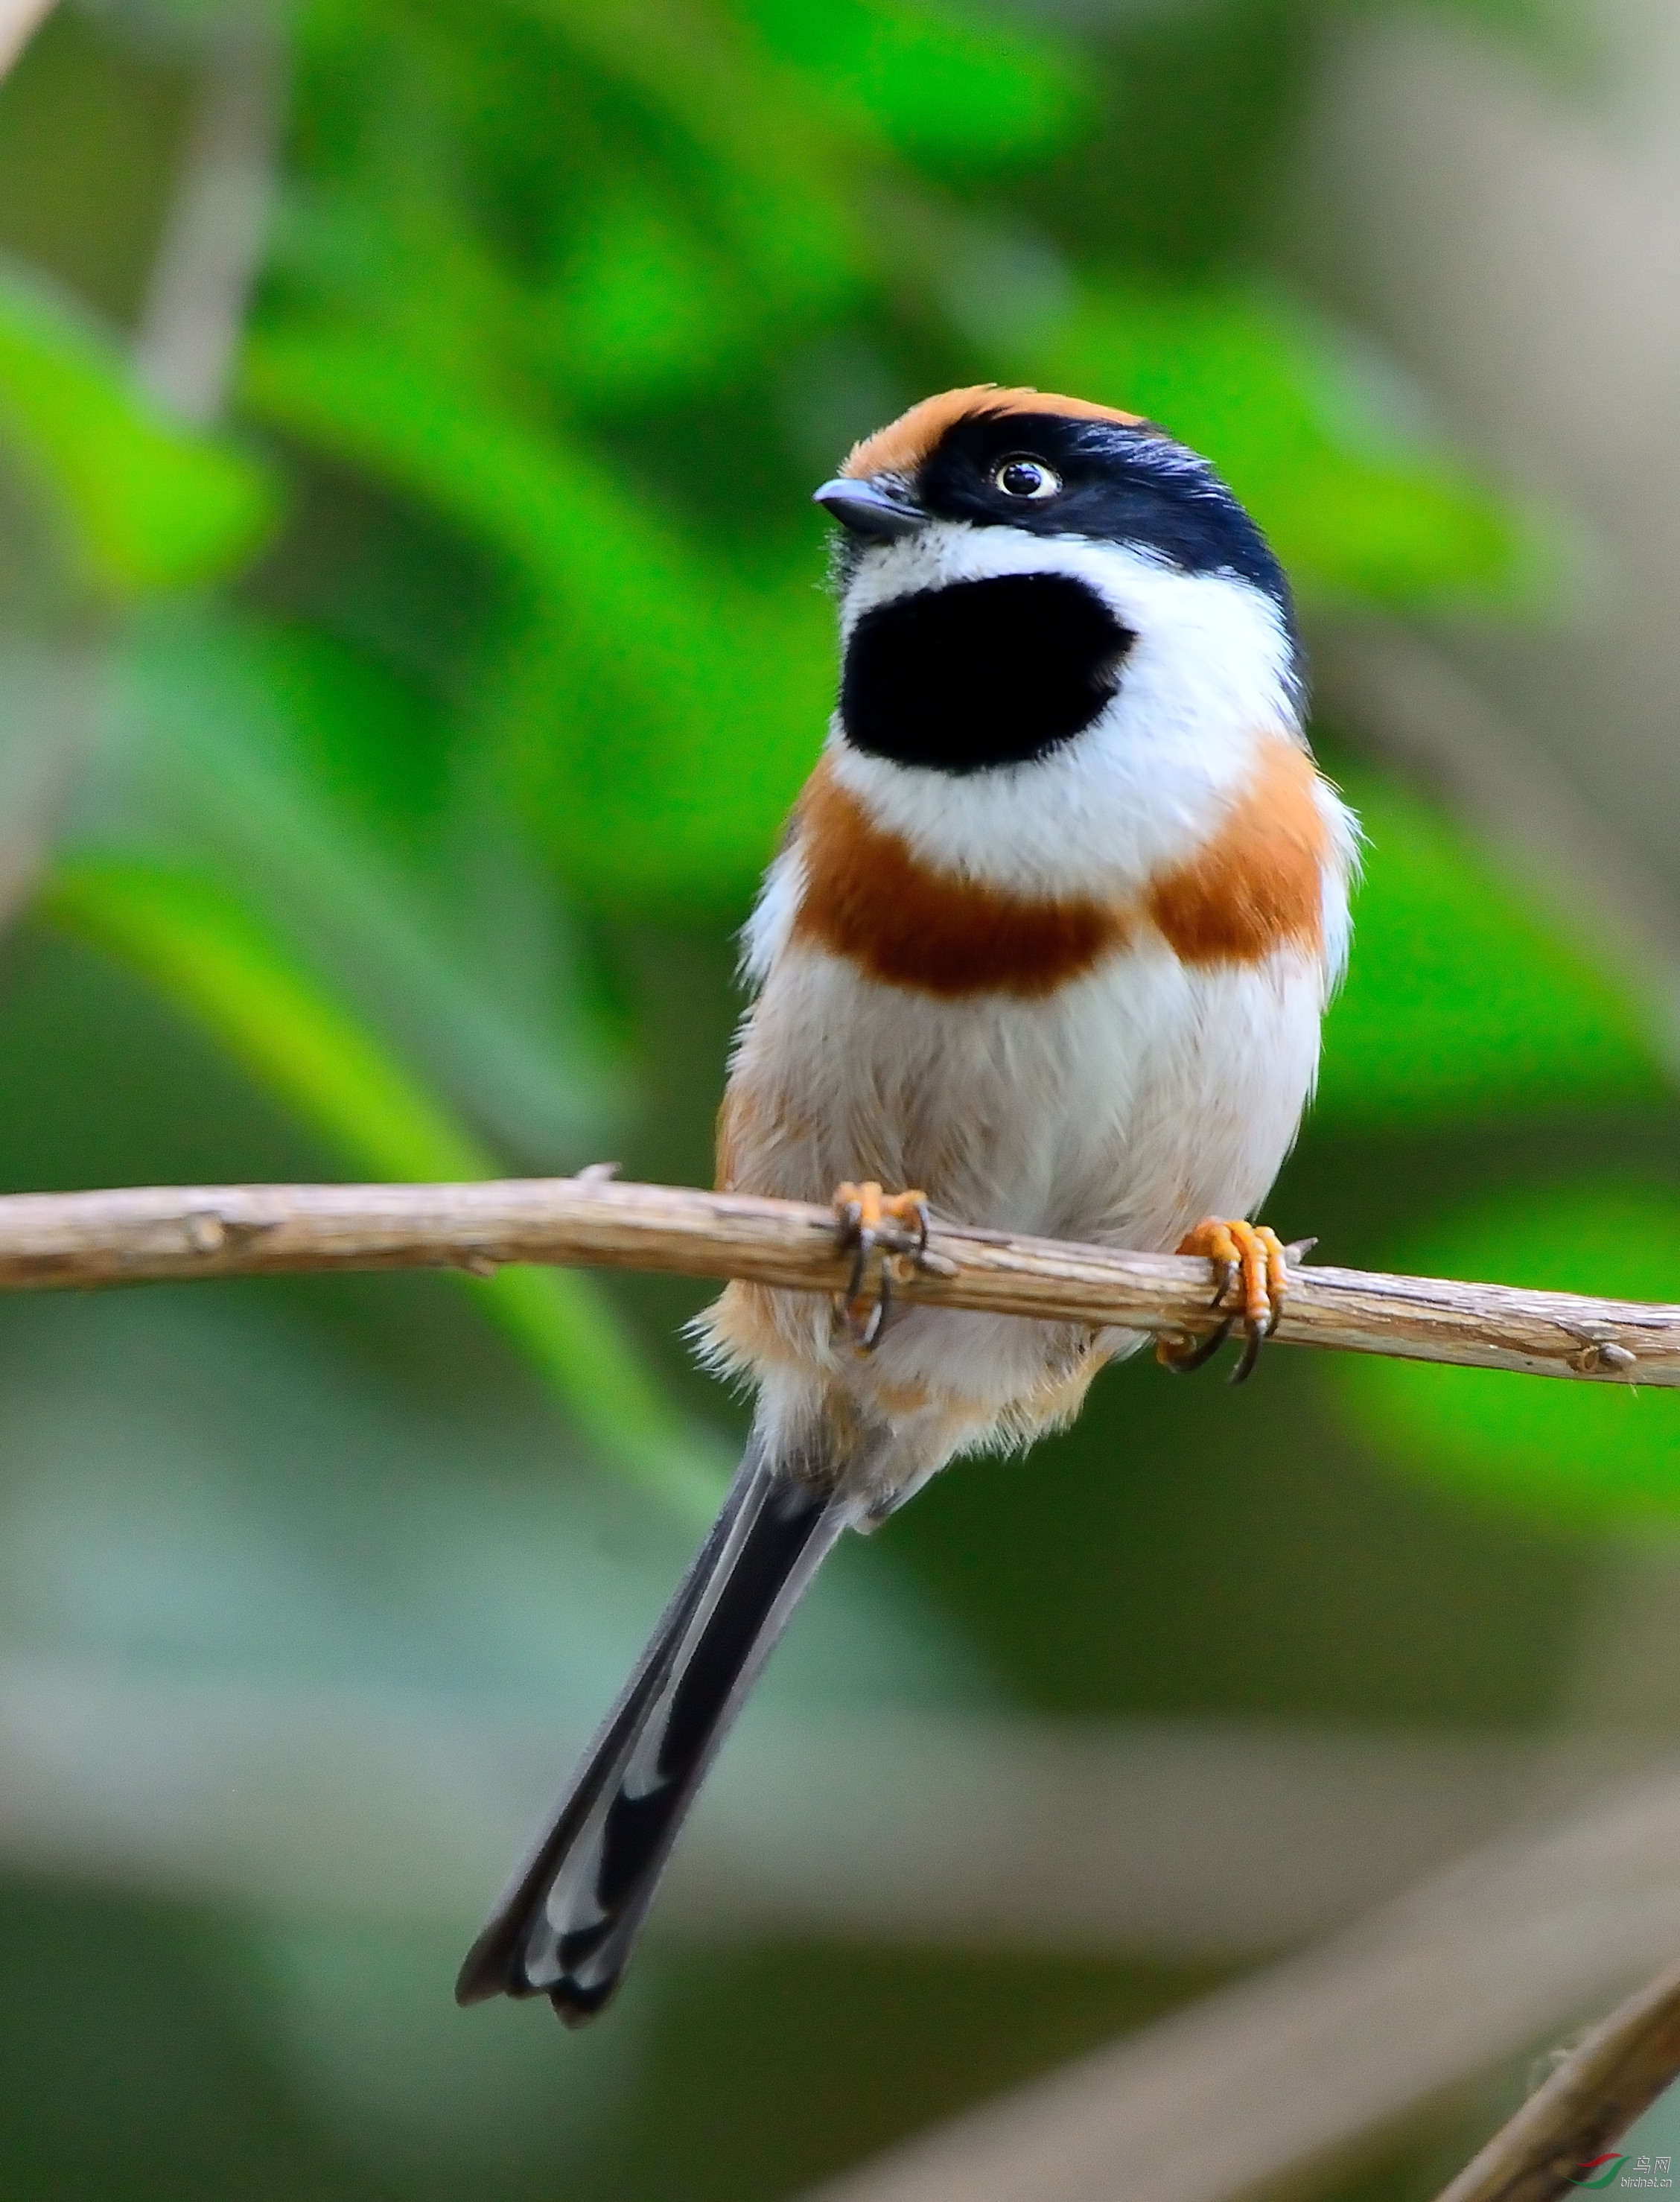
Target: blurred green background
{"x":411,"y":638}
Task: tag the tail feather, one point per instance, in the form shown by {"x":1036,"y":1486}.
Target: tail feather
{"x":566,"y":1923}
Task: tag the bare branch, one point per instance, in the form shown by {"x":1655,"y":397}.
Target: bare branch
{"x":55,"y":1240}
{"x":1592,"y":2098}
{"x":1283,"y":2080}
{"x":212,"y":243}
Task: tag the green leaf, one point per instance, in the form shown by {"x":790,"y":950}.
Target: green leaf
{"x":656,"y":771}
{"x":1265,"y":392}
{"x":139,"y":503}
{"x":194,"y":940}
{"x":695,"y":197}
{"x":216,"y":963}
{"x":1598,"y":1454}
{"x":942,"y":86}
{"x":227,"y":739}
{"x":646,"y":307}
{"x":775,"y":177}
{"x":1466,"y":996}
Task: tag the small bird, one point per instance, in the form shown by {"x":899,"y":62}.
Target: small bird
{"x":1047,"y":947}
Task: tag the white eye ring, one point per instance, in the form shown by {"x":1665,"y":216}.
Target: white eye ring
{"x":1027,"y":479}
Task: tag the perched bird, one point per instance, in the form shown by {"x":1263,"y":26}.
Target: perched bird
{"x":1047,"y":947}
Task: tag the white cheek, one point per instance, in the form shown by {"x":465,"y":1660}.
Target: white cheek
{"x":1207,"y":676}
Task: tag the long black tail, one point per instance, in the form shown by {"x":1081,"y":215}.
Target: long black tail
{"x":568,"y":1919}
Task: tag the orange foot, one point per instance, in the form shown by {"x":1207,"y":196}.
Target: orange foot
{"x":1250,"y":1256}
{"x":870,"y":1220}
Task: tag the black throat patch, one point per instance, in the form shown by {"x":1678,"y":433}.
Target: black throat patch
{"x":981,"y":673}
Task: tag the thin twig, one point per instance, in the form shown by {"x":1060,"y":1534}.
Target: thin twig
{"x":211,"y":247}
{"x":1595,"y":2095}
{"x":53,"y":1240}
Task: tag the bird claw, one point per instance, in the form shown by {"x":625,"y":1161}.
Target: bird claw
{"x":1251,"y":1265}
{"x":880,"y":1229}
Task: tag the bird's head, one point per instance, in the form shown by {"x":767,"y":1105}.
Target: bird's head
{"x":1015,"y":565}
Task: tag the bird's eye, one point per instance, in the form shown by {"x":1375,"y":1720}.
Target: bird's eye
{"x":1028,"y":480}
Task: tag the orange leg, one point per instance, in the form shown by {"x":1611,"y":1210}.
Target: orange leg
{"x":1252,"y":1273}
{"x":873,"y":1222}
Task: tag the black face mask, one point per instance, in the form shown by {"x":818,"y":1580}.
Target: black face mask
{"x":981,"y":673}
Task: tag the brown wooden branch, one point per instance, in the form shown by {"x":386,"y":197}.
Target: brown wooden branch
{"x":129,"y":1236}
{"x":1605,"y":2083}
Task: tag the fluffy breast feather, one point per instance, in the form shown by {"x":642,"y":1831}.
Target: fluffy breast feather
{"x":866,"y":896}
{"x":1274,"y":856}
{"x":1104,"y":1067}
{"x":1118,"y":1108}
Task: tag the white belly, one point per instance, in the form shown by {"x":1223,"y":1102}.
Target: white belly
{"x":1120,"y":1109}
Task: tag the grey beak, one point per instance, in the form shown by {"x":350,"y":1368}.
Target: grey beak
{"x":869,"y":510}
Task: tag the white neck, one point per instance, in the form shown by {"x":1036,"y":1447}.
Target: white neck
{"x":1206,"y":678}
